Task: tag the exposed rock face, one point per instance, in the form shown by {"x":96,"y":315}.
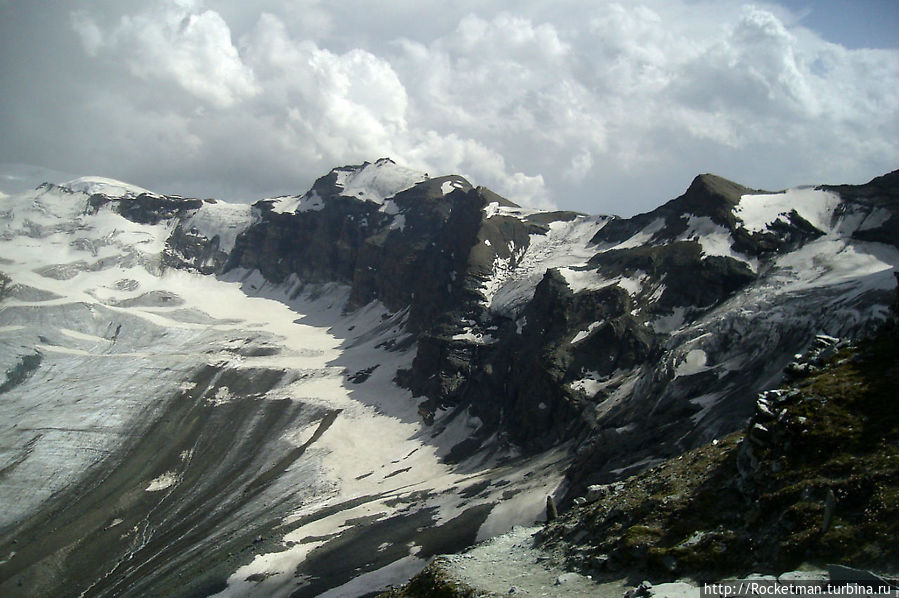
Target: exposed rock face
{"x":552,"y":327}
{"x":409,"y":251}
{"x":880,"y":200}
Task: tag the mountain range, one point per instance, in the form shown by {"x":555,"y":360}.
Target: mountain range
{"x":315,"y":394}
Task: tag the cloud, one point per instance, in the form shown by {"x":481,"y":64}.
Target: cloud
{"x":175,"y":41}
{"x":345,"y":104}
{"x":600,"y":106}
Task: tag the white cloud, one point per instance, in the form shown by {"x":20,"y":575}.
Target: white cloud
{"x":176,"y":41}
{"x":584,"y":106}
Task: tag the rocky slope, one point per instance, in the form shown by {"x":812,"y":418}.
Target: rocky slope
{"x":813,"y":479}
{"x":809,"y":485}
{"x":173,"y":433}
{"x":411,"y":353}
{"x":557,"y":326}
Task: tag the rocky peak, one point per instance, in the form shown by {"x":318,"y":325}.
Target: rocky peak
{"x":708,"y":196}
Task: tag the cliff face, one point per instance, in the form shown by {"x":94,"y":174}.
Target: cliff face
{"x":634,"y":338}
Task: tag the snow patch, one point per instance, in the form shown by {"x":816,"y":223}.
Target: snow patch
{"x":399,"y":222}
{"x":642,"y":237}
{"x":377,"y":182}
{"x":814,"y":205}
{"x":166,"y":480}
{"x":222,"y":219}
{"x":875,"y":219}
{"x":590,"y":280}
{"x":632,"y":284}
{"x":108,"y":187}
{"x":448,"y":187}
{"x":590,"y":384}
{"x":693,"y":362}
{"x":670,"y":323}
{"x":362,"y":585}
{"x":714,"y":239}
{"x":585,"y":333}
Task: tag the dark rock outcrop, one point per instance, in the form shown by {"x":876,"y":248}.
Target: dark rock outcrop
{"x":588,"y":365}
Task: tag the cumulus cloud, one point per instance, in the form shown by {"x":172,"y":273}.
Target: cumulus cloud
{"x":600,"y":106}
{"x":175,"y":41}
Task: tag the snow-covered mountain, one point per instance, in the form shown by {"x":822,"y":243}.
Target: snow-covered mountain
{"x":312,"y":395}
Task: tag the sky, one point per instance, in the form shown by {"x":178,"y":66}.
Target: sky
{"x":595,"y":106}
